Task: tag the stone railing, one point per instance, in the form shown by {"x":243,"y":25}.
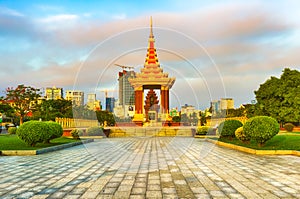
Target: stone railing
{"x":76,"y":123}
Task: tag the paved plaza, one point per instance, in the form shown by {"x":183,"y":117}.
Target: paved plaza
{"x":152,"y":167}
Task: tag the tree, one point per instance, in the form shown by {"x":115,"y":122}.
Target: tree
{"x":24,"y":99}
{"x":50,"y":109}
{"x":103,"y":116}
{"x":280,"y":97}
{"x":83,"y":112}
{"x":7,"y":110}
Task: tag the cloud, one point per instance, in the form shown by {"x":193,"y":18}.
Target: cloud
{"x":10,"y":12}
{"x":46,"y":7}
{"x":58,"y":18}
{"x":119,"y":16}
{"x":246,"y":47}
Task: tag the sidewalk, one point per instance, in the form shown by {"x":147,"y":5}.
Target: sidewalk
{"x":158,"y":167}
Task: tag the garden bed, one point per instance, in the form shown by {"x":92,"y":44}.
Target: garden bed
{"x":12,"y":142}
{"x":278,"y":142}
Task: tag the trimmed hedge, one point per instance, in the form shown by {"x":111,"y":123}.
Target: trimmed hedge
{"x":12,"y":130}
{"x":95,"y":131}
{"x":33,"y":132}
{"x":54,"y":131}
{"x":204,"y":130}
{"x":289,"y":127}
{"x":228,"y":127}
{"x":261,"y":128}
{"x":240,"y":134}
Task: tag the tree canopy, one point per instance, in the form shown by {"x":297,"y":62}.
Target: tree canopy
{"x":50,"y":109}
{"x":24,"y":99}
{"x":280,"y":97}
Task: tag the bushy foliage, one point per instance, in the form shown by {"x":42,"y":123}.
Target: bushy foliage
{"x":95,"y":131}
{"x":228,"y":127}
{"x":261,"y":128}
{"x":289,"y":127}
{"x":12,"y":130}
{"x":176,"y":119}
{"x":240,"y":134}
{"x":204,"y":130}
{"x":75,"y":133}
{"x":33,"y":132}
{"x":54,"y":131}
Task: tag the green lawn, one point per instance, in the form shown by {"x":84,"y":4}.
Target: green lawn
{"x":12,"y":142}
{"x":278,"y":142}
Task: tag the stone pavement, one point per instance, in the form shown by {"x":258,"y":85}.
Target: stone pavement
{"x":155,"y":167}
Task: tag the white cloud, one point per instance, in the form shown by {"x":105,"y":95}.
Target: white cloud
{"x":57,"y":22}
{"x":10,"y":12}
{"x":58,"y":18}
{"x":45,"y":7}
{"x":120,"y":16}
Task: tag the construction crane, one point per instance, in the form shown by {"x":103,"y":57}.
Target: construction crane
{"x":106,"y":91}
{"x":123,"y":67}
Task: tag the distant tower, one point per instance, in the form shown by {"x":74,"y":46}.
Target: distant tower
{"x":110,"y":104}
{"x":53,"y":93}
{"x":92,"y":102}
{"x":126,"y":91}
{"x":76,"y":96}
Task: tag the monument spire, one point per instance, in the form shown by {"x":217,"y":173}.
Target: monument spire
{"x":151,"y":57}
{"x":151,"y":31}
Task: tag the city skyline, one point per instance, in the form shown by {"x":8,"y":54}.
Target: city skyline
{"x":234,"y":46}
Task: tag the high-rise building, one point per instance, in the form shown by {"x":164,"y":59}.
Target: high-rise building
{"x":76,"y":96}
{"x":92,"y":102}
{"x":222,"y":104}
{"x":215,"y":106}
{"x":110,"y":103}
{"x":226,"y":103}
{"x":126,"y":91}
{"x":53,"y":93}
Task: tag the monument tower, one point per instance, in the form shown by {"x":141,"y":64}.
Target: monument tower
{"x":151,"y":77}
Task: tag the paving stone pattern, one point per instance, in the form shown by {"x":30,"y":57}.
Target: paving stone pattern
{"x":155,"y":167}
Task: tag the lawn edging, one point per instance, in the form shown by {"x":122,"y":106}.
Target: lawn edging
{"x":44,"y":150}
{"x":254,"y":151}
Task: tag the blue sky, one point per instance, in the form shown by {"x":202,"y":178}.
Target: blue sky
{"x":214,"y":48}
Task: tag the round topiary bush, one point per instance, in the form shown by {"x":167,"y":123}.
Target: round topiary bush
{"x":240,"y":134}
{"x":32,"y":132}
{"x":261,"y":128}
{"x":54,"y":131}
{"x":289,"y":127}
{"x":95,"y":131}
{"x":12,"y":130}
{"x":228,"y":127}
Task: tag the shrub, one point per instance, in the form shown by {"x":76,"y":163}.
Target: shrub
{"x":204,"y":130}
{"x":94,"y":131}
{"x":228,"y":127}
{"x":54,"y":131}
{"x":289,"y":127}
{"x":12,"y":130}
{"x":75,"y":133}
{"x":240,"y":134}
{"x":261,"y":128}
{"x":176,"y":119}
{"x":32,"y":132}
